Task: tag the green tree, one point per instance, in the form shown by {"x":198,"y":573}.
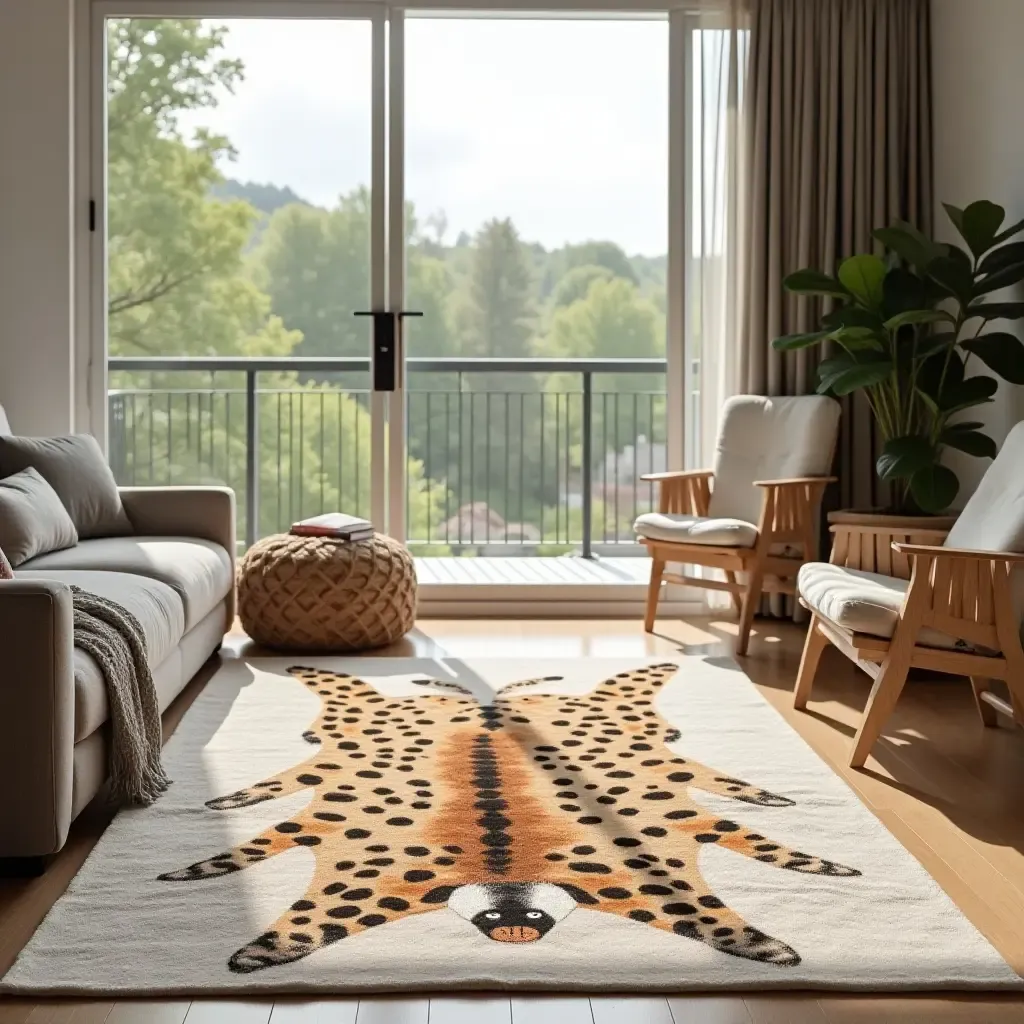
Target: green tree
{"x":576,"y":283}
{"x":498,"y":320}
{"x":180,"y":284}
{"x":613,"y":321}
{"x":175,"y":255}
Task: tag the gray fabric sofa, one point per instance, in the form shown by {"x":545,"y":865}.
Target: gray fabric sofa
{"x":175,"y":573}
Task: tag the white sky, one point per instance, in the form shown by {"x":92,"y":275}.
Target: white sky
{"x":560,"y":125}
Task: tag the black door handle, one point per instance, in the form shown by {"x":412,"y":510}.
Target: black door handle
{"x":385,"y":351}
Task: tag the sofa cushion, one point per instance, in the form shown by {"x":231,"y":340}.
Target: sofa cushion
{"x":199,"y":570}
{"x":76,"y":468}
{"x":32,"y":519}
{"x":682,"y":529}
{"x":159,"y":611}
{"x":863,"y":602}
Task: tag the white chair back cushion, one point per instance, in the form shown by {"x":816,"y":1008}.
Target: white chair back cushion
{"x":769,"y":439}
{"x":993,"y":519}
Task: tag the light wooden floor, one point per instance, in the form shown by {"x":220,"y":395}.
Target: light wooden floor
{"x":951,"y":793}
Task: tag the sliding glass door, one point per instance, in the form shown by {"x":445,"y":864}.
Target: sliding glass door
{"x":244,"y":216}
{"x":408,"y":265}
{"x":536,"y":232}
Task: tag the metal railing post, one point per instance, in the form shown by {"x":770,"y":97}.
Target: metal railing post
{"x":252,"y":483}
{"x":588,"y":458}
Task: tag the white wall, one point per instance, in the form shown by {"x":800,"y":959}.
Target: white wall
{"x":36,"y":381}
{"x":978,"y":81}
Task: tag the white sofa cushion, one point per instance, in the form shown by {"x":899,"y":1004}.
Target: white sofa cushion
{"x":863,"y":602}
{"x":159,"y":611}
{"x":769,"y":439}
{"x":681,"y":529}
{"x":198,"y":570}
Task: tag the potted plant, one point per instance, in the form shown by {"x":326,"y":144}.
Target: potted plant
{"x":911,"y":332}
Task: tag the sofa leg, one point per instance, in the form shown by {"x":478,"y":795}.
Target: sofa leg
{"x":22,"y":867}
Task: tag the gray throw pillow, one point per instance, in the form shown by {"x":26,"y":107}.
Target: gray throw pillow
{"x":75,"y":468}
{"x":32,"y":519}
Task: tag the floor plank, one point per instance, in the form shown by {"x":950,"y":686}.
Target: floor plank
{"x":308,"y":1011}
{"x":480,"y":1009}
{"x":147,"y":1011}
{"x":393,"y":1011}
{"x":630,"y":1010}
{"x":551,"y":1010}
{"x":229,"y":1011}
{"x":708,"y":1010}
{"x":785,"y":1009}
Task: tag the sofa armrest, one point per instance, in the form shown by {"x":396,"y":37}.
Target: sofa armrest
{"x":207,"y":513}
{"x":37,"y":716}
{"x":204,"y":512}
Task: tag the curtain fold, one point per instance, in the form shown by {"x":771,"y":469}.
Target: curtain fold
{"x":837,"y":121}
{"x":811,"y":126}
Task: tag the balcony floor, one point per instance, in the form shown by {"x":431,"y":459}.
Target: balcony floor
{"x":564,"y":570}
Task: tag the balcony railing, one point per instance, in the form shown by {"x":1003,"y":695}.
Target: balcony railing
{"x":505,"y":456}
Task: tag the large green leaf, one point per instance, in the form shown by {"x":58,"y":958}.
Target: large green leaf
{"x":903,"y":290}
{"x":1005,"y":277}
{"x":1001,"y":352}
{"x":919,"y":316}
{"x":863,"y":277}
{"x":979,"y":224}
{"x":1007,"y":233}
{"x":934,"y":488}
{"x":902,"y":457}
{"x":1004,"y":256}
{"x":967,"y":393}
{"x":967,"y":439}
{"x":813,"y":282}
{"x":909,"y":244}
{"x":792,"y":342}
{"x":955,"y":272}
{"x":955,"y":214}
{"x":852,"y":316}
{"x":996,"y":310}
{"x":846,"y":373}
{"x":858,"y":339}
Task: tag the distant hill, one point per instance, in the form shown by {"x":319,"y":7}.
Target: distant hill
{"x":266,"y":198}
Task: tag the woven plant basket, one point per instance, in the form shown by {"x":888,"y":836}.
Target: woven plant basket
{"x":321,"y":594}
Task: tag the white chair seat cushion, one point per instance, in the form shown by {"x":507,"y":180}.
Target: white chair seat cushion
{"x":682,"y":529}
{"x":862,"y":602}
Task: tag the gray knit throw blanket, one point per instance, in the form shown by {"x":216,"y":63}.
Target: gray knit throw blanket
{"x":115,"y":640}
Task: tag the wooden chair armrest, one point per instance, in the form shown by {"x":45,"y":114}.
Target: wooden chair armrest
{"x":797,"y":481}
{"x":932,"y":551}
{"x":938,"y":535}
{"x":678,"y":474}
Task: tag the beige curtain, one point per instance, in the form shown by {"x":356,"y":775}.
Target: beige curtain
{"x":838,"y":142}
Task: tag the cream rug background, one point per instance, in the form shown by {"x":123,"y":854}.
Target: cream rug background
{"x":119,"y":930}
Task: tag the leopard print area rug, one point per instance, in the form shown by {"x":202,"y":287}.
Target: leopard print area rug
{"x":377,"y":824}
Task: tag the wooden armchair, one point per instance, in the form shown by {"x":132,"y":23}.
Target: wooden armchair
{"x":732,"y":520}
{"x":950,"y":603}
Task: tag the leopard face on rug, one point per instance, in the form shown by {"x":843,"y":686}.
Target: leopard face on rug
{"x":511,"y":814}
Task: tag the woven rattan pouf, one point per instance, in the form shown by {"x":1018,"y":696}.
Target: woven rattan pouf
{"x":320,"y":594}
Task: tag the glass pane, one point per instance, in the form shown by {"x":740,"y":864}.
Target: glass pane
{"x":238,"y":226}
{"x":536,"y":176}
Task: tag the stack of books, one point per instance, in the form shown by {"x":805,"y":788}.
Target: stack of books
{"x":336,"y":525}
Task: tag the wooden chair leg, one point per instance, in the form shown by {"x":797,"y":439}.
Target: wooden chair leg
{"x":989,"y":715}
{"x":736,"y":602}
{"x":814,"y":647}
{"x":653,"y":594}
{"x":751,"y":599}
{"x":885,"y":693}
